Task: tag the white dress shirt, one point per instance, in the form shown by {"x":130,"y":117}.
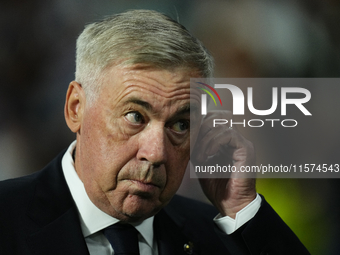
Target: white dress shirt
{"x":93,"y":220}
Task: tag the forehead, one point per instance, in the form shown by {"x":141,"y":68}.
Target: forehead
{"x":167,"y":85}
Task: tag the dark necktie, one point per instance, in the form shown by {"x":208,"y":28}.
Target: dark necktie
{"x":123,"y":239}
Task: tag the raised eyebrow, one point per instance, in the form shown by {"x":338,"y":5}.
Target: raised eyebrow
{"x":187,"y":108}
{"x":142,"y":103}
{"x":184,"y":109}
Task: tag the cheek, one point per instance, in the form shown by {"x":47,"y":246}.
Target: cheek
{"x":175,"y":172}
{"x":102,"y":154}
{"x":103,"y":165}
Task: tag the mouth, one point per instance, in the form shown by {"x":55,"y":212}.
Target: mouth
{"x":144,"y":188}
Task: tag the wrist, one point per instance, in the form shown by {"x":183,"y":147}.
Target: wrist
{"x":232,"y":207}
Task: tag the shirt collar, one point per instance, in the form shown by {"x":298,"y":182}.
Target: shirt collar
{"x":88,"y":211}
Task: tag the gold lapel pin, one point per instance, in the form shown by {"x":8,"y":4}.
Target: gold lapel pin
{"x":188,"y":247}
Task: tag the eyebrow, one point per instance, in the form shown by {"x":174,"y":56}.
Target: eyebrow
{"x":142,"y":103}
{"x":184,"y":109}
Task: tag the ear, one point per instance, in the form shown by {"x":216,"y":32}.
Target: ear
{"x":74,"y":106}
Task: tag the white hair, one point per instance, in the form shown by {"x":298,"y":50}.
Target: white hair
{"x":137,"y":36}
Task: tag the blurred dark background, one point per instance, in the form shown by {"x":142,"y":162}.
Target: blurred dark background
{"x":247,"y":38}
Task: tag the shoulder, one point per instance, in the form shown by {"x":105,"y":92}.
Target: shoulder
{"x":15,"y":199}
{"x":16,"y":194}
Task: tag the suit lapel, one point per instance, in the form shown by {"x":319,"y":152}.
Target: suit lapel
{"x":55,"y":215}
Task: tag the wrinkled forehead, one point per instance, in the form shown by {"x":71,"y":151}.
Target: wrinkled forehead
{"x":145,"y":77}
{"x":144,"y":82}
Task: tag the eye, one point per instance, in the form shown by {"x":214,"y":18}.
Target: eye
{"x":181,"y":126}
{"x":134,"y":117}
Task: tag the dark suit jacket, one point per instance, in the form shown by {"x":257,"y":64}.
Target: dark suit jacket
{"x":38,"y":216}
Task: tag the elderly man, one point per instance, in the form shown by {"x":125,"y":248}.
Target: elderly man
{"x":113,"y":190}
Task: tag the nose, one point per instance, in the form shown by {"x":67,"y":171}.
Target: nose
{"x":152,"y":145}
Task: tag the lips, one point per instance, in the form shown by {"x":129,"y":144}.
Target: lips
{"x":144,"y":182}
{"x":143,"y":187}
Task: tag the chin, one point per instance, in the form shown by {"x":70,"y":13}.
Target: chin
{"x":136,"y":208}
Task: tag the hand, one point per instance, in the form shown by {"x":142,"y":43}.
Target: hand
{"x":228,"y":195}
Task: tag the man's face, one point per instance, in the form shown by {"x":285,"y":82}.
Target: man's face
{"x":134,"y":141}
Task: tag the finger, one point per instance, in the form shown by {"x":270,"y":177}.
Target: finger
{"x":208,"y":121}
{"x":218,"y":138}
{"x":235,"y":149}
{"x":207,"y":146}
